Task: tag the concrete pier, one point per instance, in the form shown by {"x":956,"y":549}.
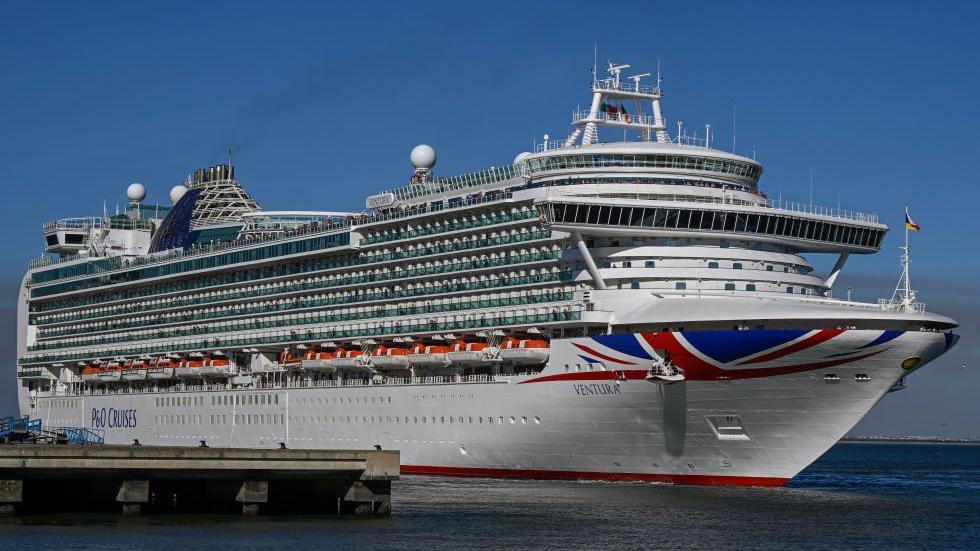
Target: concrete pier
{"x":137,"y":480}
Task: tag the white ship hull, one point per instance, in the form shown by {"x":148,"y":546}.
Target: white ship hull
{"x":620,"y":310}
{"x":608,"y":423}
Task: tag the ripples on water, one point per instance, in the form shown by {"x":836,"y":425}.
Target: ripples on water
{"x":858,"y":496}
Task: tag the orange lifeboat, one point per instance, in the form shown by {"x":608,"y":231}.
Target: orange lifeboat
{"x":190,"y":366}
{"x":90,"y":373}
{"x":526,"y":351}
{"x":429,"y":355}
{"x":135,"y":370}
{"x":163,"y":367}
{"x":217,"y":364}
{"x":390,"y":357}
{"x":469,"y":353}
{"x":348,"y":358}
{"x":111,"y":371}
{"x":319,"y":360}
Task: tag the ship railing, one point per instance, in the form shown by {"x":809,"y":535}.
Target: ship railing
{"x":73,"y":224}
{"x":809,"y":208}
{"x":94,"y":436}
{"x":81,"y":435}
{"x":685,"y":139}
{"x":553,"y":145}
{"x":618,"y":117}
{"x":395,"y":213}
{"x":492,"y":175}
{"x":896,"y":305}
{"x":883,"y":304}
{"x":610,"y":85}
{"x":727,"y":199}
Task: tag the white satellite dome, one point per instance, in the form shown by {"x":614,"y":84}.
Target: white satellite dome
{"x":423,"y":156}
{"x":136,"y":192}
{"x":177,"y":192}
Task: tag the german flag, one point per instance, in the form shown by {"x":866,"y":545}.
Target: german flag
{"x":909,"y":224}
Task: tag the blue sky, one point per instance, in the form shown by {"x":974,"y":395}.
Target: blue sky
{"x":322,"y":104}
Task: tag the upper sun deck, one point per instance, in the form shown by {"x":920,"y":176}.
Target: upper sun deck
{"x":653,"y":158}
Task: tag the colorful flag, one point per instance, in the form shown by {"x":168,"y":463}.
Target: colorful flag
{"x":909,"y":224}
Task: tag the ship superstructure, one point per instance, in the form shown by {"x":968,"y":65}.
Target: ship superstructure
{"x":612,"y":310}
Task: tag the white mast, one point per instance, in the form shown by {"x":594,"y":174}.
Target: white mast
{"x":614,"y":88}
{"x":904,"y":295}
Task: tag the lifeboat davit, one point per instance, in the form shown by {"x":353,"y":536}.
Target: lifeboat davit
{"x":163,"y":368}
{"x":429,"y":355}
{"x":350,"y":359}
{"x":525,"y":352}
{"x":288,"y":361}
{"x":390,"y":357}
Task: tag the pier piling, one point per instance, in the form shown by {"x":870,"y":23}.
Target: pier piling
{"x":136,"y":480}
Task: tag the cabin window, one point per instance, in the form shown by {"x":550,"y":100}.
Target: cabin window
{"x":737,"y":266}
{"x":650,"y":264}
{"x":680,"y":285}
{"x":635,"y":285}
{"x":712,"y":264}
{"x":729,"y":286}
{"x":789,"y":289}
{"x":750,"y":287}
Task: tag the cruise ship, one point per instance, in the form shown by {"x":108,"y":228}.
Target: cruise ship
{"x":596,"y":309}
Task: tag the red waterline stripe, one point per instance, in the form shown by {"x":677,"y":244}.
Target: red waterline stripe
{"x":601,"y":355}
{"x":692,"y":479}
{"x":813,"y":340}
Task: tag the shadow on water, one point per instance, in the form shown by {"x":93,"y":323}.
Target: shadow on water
{"x":868,"y":496}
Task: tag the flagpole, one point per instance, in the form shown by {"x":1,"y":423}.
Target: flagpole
{"x":903,"y":296}
{"x":908,"y":284}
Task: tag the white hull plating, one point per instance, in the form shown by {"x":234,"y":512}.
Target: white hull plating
{"x":603,"y":423}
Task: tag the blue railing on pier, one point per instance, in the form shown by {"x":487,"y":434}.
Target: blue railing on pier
{"x":27,"y":429}
{"x":23,"y":425}
{"x":82,"y":435}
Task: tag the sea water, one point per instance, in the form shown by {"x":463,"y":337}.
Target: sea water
{"x":858,"y":496}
